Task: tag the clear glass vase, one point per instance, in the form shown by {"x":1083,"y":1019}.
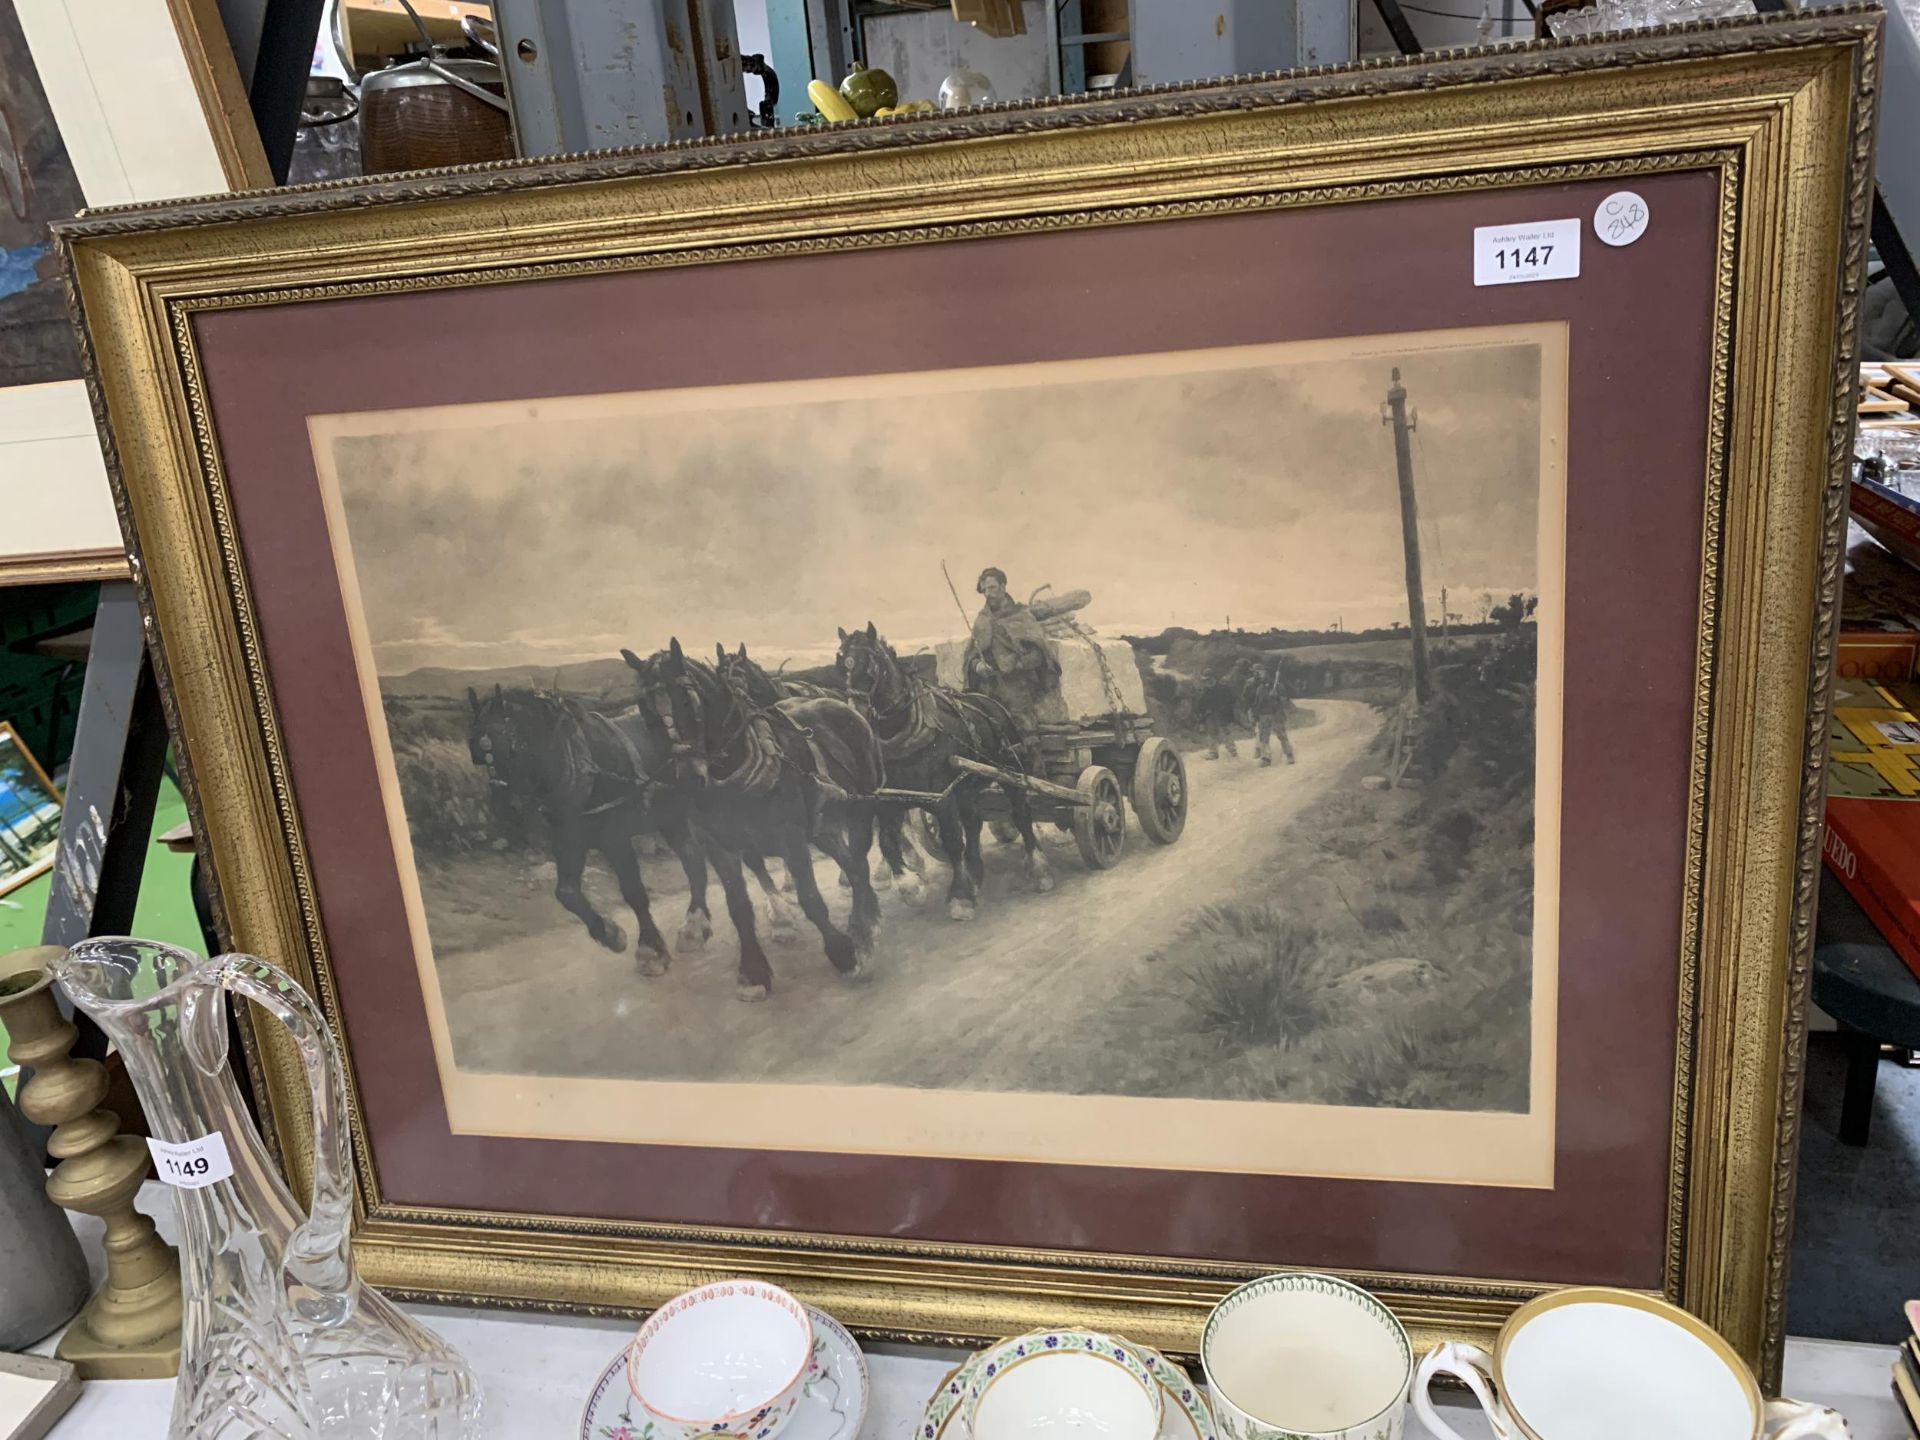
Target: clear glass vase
{"x":280,"y":1338}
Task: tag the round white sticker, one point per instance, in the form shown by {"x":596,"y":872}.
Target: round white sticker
{"x":1621,"y":218}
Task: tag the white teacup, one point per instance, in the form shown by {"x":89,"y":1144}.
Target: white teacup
{"x":1062,"y":1383}
{"x":1306,"y":1355}
{"x":1598,"y":1364}
{"x":724,"y":1362}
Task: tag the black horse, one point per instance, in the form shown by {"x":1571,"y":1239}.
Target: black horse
{"x":780,"y":779}
{"x":768,"y":687}
{"x":900,"y":859}
{"x":922,"y":727}
{"x":597,"y":779}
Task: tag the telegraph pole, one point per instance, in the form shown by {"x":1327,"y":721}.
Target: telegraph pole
{"x":1394,"y":413}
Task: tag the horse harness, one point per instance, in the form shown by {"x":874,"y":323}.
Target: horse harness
{"x":580,"y":764}
{"x":639,"y":777}
{"x":918,"y":712}
{"x":760,"y":731}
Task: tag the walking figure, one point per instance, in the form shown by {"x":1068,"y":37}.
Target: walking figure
{"x":1215,"y":707}
{"x":1267,"y":700}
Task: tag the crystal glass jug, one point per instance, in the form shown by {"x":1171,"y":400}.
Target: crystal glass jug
{"x":281,"y":1339}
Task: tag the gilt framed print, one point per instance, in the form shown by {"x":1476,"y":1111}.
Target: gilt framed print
{"x":1018,"y":716}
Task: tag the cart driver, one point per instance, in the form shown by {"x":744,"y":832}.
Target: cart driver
{"x":1008,"y":657}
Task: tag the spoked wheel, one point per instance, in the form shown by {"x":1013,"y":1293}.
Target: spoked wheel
{"x":929,"y":832}
{"x":1100,"y":828}
{"x":1160,"y":791}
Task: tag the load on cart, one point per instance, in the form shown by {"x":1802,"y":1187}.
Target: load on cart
{"x":1078,"y":698}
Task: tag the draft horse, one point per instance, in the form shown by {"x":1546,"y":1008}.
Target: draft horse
{"x":765,"y":686}
{"x":900,"y":859}
{"x":598,"y":780}
{"x":922,"y":728}
{"x":780,"y":779}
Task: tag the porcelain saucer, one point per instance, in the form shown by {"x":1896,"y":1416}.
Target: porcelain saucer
{"x":833,"y":1404}
{"x":1186,"y":1416}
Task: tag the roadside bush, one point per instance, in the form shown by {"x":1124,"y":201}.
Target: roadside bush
{"x":1255,"y":977}
{"x":1388,"y":1069}
{"x":449,"y":808}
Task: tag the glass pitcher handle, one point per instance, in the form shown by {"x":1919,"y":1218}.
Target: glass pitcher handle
{"x":318,"y":1258}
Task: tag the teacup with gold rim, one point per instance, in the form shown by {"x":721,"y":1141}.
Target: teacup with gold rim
{"x":1598,"y":1364}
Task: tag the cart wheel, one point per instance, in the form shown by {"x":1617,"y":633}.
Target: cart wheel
{"x":1100,"y":828}
{"x":930,"y":833}
{"x":1160,"y":791}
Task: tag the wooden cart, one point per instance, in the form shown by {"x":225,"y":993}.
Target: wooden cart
{"x":1089,"y":774}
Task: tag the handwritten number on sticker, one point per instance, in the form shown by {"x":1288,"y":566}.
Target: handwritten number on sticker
{"x":1621,"y":218}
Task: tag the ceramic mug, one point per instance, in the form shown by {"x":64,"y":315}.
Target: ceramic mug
{"x":724,"y":1362}
{"x":1596,"y":1364}
{"x":1061,"y":1381}
{"x":1306,"y":1357}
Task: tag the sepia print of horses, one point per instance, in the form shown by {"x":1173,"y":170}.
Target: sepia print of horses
{"x":1050,"y":732}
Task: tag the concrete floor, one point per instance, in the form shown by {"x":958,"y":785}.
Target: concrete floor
{"x":1856,"y":1244}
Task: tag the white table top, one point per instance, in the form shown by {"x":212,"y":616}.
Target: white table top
{"x":536,"y":1373}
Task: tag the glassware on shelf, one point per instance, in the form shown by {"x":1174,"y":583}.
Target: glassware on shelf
{"x":1639,"y":14}
{"x":966,"y":87}
{"x":1898,"y":452}
{"x":281,"y":1337}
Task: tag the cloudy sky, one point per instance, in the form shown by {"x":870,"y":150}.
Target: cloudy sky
{"x":1179,"y":490}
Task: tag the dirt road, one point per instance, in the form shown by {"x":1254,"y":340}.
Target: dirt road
{"x":984,"y":1004}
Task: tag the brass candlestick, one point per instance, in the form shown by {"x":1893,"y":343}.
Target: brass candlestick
{"x":130,"y":1330}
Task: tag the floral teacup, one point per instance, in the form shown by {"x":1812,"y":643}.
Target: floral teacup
{"x":1063,"y":1381}
{"x":724,"y":1362}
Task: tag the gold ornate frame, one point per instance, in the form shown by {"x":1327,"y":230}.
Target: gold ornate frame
{"x":1781,"y":109}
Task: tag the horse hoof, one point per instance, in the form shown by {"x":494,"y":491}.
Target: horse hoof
{"x":694,"y":934}
{"x":751,"y":994}
{"x":1043,"y":884}
{"x":613,"y":937}
{"x":652,"y":967}
{"x":913,"y":890}
{"x":782,"y":931}
{"x":960,"y":909}
{"x":882,"y":877}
